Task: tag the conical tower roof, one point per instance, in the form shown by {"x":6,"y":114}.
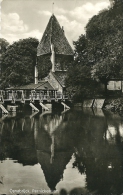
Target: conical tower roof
{"x":54,"y":34}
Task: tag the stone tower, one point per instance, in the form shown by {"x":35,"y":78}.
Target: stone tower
{"x":55,"y":44}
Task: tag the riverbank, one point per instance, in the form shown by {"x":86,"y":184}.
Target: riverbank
{"x":114,"y":104}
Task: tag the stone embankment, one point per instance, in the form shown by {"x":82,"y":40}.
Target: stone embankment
{"x":112,"y":104}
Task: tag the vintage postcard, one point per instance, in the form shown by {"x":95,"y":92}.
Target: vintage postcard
{"x":61,"y":97}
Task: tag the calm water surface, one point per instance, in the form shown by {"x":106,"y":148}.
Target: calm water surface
{"x":75,"y":152}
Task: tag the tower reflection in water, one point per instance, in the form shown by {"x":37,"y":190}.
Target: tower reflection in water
{"x":94,"y":138}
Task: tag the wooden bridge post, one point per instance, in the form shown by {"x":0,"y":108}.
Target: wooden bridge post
{"x":56,"y":99}
{"x":13,"y":96}
{"x":48,"y":96}
{"x":22,"y":97}
{"x":63,"y":99}
{"x":40,"y":97}
{"x":32,"y":99}
{"x":1,"y":97}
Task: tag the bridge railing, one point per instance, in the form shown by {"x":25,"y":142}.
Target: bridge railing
{"x":18,"y":95}
{"x":65,"y":96}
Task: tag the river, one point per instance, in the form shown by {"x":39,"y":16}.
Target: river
{"x":73,"y":152}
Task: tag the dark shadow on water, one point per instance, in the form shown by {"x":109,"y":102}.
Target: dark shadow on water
{"x":94,"y":137}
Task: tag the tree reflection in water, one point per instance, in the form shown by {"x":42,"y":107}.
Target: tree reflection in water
{"x":99,"y":156}
{"x":94,"y":137}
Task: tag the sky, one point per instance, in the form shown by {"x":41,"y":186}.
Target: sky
{"x":28,"y":18}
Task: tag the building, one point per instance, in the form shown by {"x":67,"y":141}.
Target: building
{"x":115,"y":86}
{"x":55,"y":44}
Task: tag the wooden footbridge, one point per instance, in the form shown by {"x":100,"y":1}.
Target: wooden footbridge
{"x":32,"y":95}
{"x":42,"y":97}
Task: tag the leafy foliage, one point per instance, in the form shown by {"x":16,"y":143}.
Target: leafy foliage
{"x":18,"y":62}
{"x":105,"y":38}
{"x":3,"y":45}
{"x":79,"y":81}
{"x":80,"y":84}
{"x":98,"y":54}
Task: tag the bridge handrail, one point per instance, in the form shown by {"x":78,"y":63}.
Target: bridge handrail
{"x":21,"y":94}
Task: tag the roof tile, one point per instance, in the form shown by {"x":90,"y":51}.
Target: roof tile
{"x":60,"y":77}
{"x":54,"y":34}
{"x":43,"y":85}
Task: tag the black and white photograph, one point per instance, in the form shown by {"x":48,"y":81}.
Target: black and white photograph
{"x":61,"y":97}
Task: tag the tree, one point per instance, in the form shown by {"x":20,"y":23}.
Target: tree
{"x":98,"y":53}
{"x":18,"y":62}
{"x":117,"y":2}
{"x":3,"y":45}
{"x":79,"y":81}
{"x":105,"y":38}
{"x":80,"y":84}
{"x":81,"y":51}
